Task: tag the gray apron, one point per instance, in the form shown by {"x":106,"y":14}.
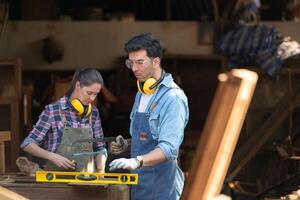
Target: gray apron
{"x":71,"y":145}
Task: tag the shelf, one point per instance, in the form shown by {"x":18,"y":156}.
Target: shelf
{"x":7,"y":100}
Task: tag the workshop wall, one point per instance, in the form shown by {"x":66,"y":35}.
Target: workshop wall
{"x":96,"y":44}
{"x":99,"y":44}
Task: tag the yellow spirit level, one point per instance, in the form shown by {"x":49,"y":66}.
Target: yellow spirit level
{"x":86,"y":177}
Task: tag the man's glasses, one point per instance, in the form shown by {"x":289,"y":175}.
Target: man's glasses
{"x":129,"y":63}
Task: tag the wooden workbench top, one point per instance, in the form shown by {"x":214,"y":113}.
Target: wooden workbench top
{"x":29,"y":188}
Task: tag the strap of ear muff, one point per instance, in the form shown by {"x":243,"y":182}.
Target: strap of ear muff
{"x":88,"y":110}
{"x":162,"y":76}
{"x":149,"y":86}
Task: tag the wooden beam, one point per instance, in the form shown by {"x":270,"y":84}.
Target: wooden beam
{"x":220,"y":135}
{"x":6,"y":194}
{"x":4,"y":136}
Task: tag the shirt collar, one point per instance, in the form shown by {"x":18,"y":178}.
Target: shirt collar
{"x":64,"y":103}
{"x":168,"y":80}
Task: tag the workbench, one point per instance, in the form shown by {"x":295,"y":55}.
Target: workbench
{"x":27,"y":187}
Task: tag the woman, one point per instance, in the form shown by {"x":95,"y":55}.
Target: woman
{"x":63,"y":134}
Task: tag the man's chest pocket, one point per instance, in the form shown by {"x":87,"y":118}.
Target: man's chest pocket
{"x":154,"y":124}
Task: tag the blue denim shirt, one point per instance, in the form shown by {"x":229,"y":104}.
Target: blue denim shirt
{"x":169,"y":114}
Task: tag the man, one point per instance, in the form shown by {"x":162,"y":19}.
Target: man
{"x":54,"y":138}
{"x":158,"y":118}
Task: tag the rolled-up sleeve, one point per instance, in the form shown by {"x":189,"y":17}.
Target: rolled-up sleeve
{"x":38,"y":133}
{"x":171,"y":129}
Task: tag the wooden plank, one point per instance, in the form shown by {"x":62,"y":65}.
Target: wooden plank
{"x":29,"y":188}
{"x":15,"y":136}
{"x":37,"y":191}
{"x":5,"y":136}
{"x":6,"y":194}
{"x":2,"y":157}
{"x":220,"y":135}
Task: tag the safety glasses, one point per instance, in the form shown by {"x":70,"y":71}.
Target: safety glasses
{"x":141,"y":63}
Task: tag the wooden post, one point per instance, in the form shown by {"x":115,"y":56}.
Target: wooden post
{"x":4,"y":136}
{"x":220,"y":134}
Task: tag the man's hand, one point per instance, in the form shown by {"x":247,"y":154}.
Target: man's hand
{"x":61,"y":161}
{"x":118,"y":146}
{"x":124,"y":163}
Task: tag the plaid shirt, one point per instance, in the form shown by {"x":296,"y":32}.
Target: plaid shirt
{"x":48,"y":131}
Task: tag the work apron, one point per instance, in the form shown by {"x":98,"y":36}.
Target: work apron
{"x":71,"y":145}
{"x":158,"y":182}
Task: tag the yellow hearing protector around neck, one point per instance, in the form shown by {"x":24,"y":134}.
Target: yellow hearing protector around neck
{"x":150,"y":85}
{"x":81,"y":109}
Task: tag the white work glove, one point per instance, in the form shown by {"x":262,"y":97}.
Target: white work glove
{"x":124,"y":163}
{"x":118,"y":146}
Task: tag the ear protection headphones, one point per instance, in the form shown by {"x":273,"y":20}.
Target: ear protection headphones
{"x":80,"y":109}
{"x":150,"y":85}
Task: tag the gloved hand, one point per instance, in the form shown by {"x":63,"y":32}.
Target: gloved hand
{"x":124,"y":163}
{"x":118,"y":146}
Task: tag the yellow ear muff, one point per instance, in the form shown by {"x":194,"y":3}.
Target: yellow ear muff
{"x":80,"y":108}
{"x":88,"y":110}
{"x":150,"y":85}
{"x":146,"y":86}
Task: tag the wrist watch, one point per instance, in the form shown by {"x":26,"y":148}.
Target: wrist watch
{"x":140,"y":160}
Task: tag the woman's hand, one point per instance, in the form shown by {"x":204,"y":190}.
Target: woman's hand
{"x":61,"y":161}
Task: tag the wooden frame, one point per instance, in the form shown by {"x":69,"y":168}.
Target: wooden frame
{"x":220,"y":135}
{"x":13,"y":101}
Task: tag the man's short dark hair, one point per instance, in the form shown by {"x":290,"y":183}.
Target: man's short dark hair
{"x":147,"y":42}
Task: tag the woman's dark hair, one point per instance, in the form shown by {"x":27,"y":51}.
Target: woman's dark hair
{"x":147,"y":42}
{"x":86,"y":77}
